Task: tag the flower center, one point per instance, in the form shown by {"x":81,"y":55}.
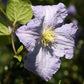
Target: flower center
{"x":48,"y":36}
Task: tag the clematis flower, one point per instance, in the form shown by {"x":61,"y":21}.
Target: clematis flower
{"x":71,"y":10}
{"x":47,"y":38}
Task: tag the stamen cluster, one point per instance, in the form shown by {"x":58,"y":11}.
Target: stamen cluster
{"x":48,"y":36}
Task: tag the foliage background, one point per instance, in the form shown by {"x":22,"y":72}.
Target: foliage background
{"x":71,"y":71}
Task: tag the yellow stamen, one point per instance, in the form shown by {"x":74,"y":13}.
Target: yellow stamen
{"x":48,"y":36}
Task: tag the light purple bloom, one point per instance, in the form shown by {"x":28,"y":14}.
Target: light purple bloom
{"x":9,"y":29}
{"x":71,"y":10}
{"x":46,"y":41}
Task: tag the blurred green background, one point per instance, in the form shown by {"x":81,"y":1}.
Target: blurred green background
{"x":70,"y":72}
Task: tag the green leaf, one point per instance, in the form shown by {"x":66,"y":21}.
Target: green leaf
{"x":4,"y":20}
{"x":5,"y":37}
{"x":4,"y":23}
{"x":19,"y":11}
{"x":19,"y":57}
{"x":59,"y":82}
{"x":20,"y":49}
{"x":4,"y":30}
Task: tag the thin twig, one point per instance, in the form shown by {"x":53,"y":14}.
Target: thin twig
{"x":59,"y":82}
{"x":3,"y":12}
{"x":13,"y":45}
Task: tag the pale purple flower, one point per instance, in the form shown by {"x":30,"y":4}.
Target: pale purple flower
{"x":71,"y":10}
{"x":47,"y":39}
{"x":9,"y":29}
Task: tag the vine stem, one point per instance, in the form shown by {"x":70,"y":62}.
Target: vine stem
{"x":3,"y":12}
{"x":12,"y":38}
{"x":59,"y":81}
{"x":13,"y":45}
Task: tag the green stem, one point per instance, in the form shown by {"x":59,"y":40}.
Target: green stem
{"x":14,"y":23}
{"x":12,"y":38}
{"x":3,"y":12}
{"x":13,"y":28}
{"x":59,"y":82}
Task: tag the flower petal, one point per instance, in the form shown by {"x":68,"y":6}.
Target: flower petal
{"x":69,"y":53}
{"x":71,"y":10}
{"x":28,"y":34}
{"x":53,"y":15}
{"x":65,"y":40}
{"x":58,"y":50}
{"x":61,"y":50}
{"x":42,"y":63}
{"x":67,"y":31}
{"x":38,"y":11}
